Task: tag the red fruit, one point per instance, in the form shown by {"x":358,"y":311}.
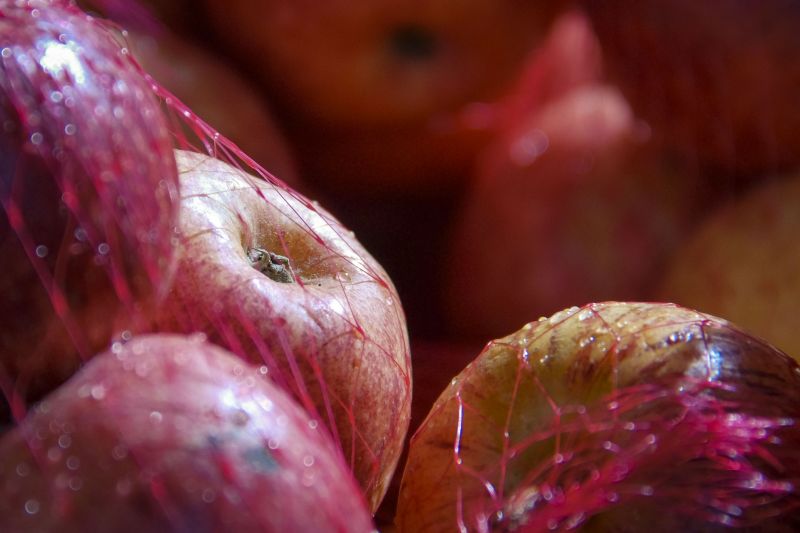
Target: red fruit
{"x":572,"y":205}
{"x":219,"y":95}
{"x":276,"y":279}
{"x":743,"y":263}
{"x":716,"y":80}
{"x":383,"y":96}
{"x":88,"y":187}
{"x":167,"y":433}
{"x":603,"y":417}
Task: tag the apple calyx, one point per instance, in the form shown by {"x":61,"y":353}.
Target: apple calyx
{"x":275,"y":267}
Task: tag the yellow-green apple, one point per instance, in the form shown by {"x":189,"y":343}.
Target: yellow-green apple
{"x":604,"y":416}
{"x":171,"y":433}
{"x":570,"y":205}
{"x":275,"y":278}
{"x":743,"y":263}
{"x":88,"y":188}
{"x":383,"y":96}
{"x":717,"y":80}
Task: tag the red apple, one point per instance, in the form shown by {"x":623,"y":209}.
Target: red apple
{"x":383,"y":96}
{"x":717,"y":80}
{"x":219,"y":95}
{"x":279,"y":281}
{"x":168,"y":433}
{"x":743,"y":263}
{"x":571,"y":205}
{"x":603,"y":417}
{"x":88,"y":187}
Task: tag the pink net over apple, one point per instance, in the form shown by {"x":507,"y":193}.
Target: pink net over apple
{"x":125,"y":213}
{"x":612,"y":417}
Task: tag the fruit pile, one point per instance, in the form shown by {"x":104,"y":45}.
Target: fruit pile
{"x":189,"y":342}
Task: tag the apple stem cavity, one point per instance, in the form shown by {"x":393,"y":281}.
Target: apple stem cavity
{"x":413,"y":43}
{"x":275,"y":267}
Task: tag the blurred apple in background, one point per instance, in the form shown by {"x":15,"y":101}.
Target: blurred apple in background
{"x":383,"y":96}
{"x":573,"y":205}
{"x":168,"y":433}
{"x":89,"y":194}
{"x":279,"y":281}
{"x":716,"y":80}
{"x":743,"y":263}
{"x":604,"y":416}
{"x":219,"y":95}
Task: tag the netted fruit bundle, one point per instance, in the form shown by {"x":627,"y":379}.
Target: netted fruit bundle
{"x":105,"y":246}
{"x":612,"y":417}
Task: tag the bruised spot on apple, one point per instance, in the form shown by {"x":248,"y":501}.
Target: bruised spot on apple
{"x":603,"y":416}
{"x":276,"y":279}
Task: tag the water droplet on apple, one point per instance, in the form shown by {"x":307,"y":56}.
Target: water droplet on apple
{"x":23,"y":469}
{"x":32,"y":507}
{"x":156,"y":417}
{"x":41,"y":251}
{"x":73,"y":463}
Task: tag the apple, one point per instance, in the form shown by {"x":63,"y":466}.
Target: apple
{"x":716,"y":80}
{"x":277,"y":280}
{"x":743,"y":263}
{"x":204,"y":83}
{"x":89,"y":195}
{"x":602,"y":417}
{"x":572,"y":204}
{"x":171,"y":433}
{"x":383,"y":97}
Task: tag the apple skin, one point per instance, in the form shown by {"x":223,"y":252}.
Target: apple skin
{"x":526,"y":417}
{"x":383,"y":97}
{"x":743,"y":263}
{"x":89,"y":194}
{"x":171,"y":433}
{"x":572,"y":204}
{"x":329,"y":328}
{"x":716,"y":80}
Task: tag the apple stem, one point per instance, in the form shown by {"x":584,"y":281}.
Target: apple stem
{"x":275,"y":267}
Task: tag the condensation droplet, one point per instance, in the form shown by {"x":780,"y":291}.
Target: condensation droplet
{"x":156,"y":417}
{"x":263,"y":370}
{"x":585,"y":314}
{"x":313,"y":424}
{"x":98,"y":392}
{"x":646,"y":490}
{"x":32,"y":506}
{"x":37,"y":138}
{"x":23,"y":469}
{"x":308,"y":461}
{"x":6,"y":52}
{"x":119,"y":452}
{"x":272,"y":444}
{"x":73,"y":463}
{"x":41,"y":251}
{"x":64,"y":441}
{"x":54,"y":455}
{"x":209,"y":495}
{"x":75,"y":483}
{"x":70,"y":129}
{"x":103,"y":248}
{"x":124,"y":487}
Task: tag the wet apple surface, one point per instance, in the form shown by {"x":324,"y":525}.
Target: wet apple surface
{"x":88,"y":206}
{"x":276,"y":279}
{"x":172,"y":433}
{"x":602,"y":416}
